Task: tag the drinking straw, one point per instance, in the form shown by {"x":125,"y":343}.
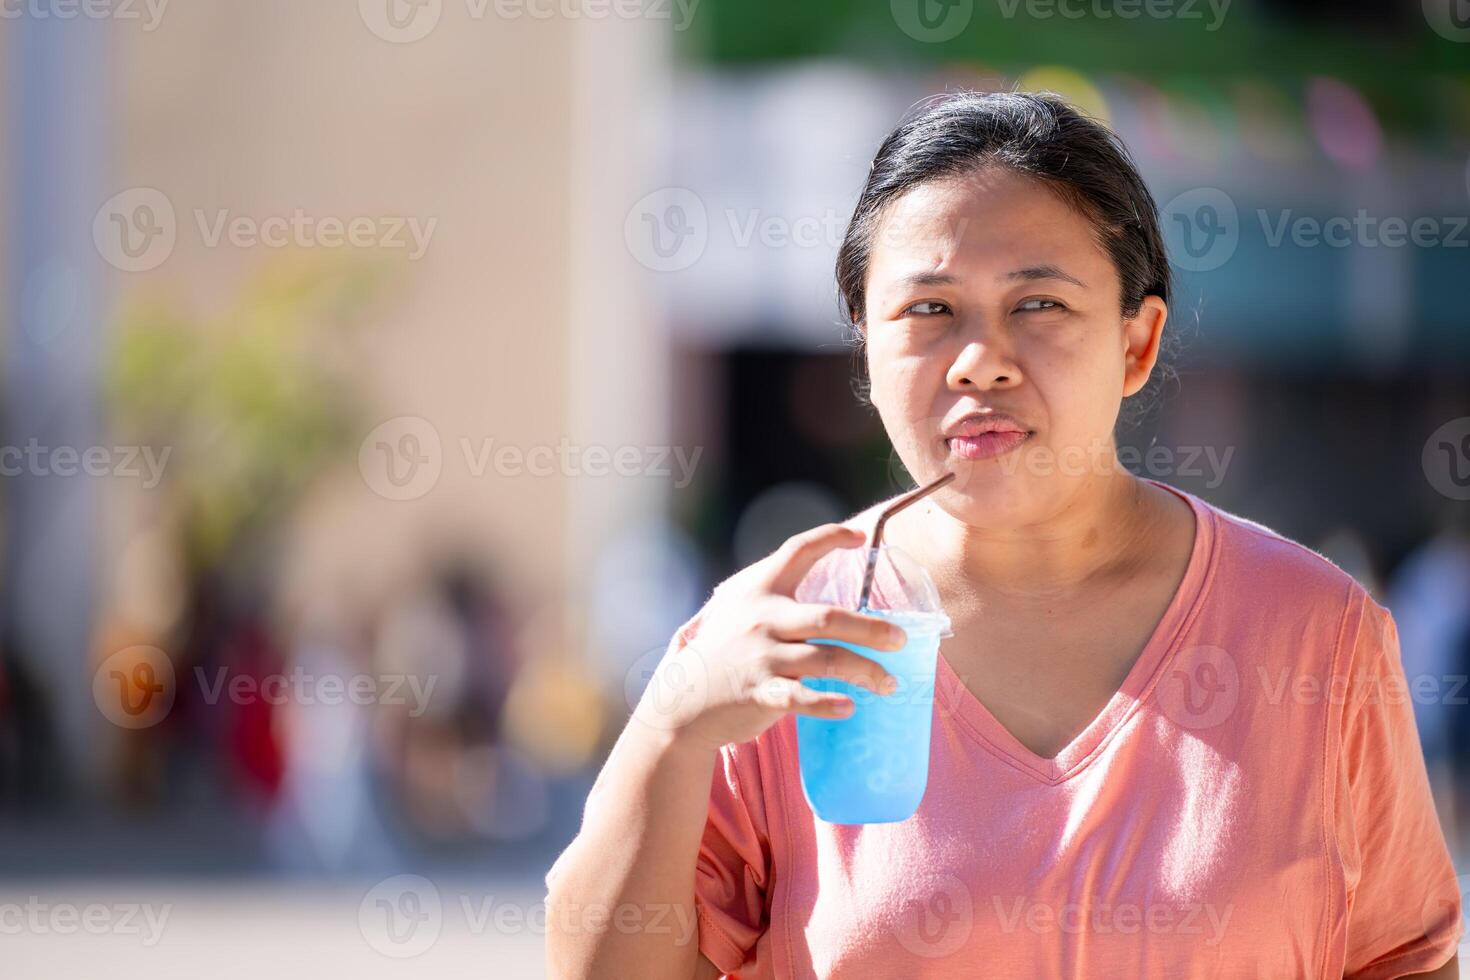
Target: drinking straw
{"x":893,"y":508}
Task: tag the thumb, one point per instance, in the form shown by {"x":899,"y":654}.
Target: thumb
{"x":800,"y":552}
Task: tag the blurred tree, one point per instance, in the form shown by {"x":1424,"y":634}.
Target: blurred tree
{"x":251,"y":405}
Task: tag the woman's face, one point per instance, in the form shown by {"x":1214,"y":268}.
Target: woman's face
{"x":989,"y":298}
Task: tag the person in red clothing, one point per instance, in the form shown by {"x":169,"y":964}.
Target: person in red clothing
{"x":1168,"y":742}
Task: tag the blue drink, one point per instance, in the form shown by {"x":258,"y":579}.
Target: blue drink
{"x":873,"y":765}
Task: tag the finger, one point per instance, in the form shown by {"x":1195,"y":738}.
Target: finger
{"x":788,"y":694}
{"x":800,"y":552}
{"x":826,"y":660}
{"x":801,"y":621}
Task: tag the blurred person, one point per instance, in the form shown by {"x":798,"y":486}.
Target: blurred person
{"x":448,"y":646}
{"x":327,"y":816}
{"x":1130,"y":722}
{"x":1428,"y":597}
{"x":31,"y":764}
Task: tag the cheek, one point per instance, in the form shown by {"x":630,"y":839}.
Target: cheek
{"x":1080,"y":377}
{"x":903,"y":384}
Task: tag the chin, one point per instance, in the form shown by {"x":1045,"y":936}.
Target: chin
{"x":986,"y":495}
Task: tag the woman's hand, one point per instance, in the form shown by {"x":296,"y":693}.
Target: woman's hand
{"x":741,"y":672}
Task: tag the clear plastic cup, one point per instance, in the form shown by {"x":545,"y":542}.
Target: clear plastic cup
{"x":873,"y":765}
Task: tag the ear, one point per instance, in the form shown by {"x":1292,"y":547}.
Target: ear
{"x":1142,"y":336}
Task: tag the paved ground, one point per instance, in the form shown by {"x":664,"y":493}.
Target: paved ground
{"x":271,"y":930}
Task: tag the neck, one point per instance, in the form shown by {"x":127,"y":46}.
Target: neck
{"x":1099,"y":531}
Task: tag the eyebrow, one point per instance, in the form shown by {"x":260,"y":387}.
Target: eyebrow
{"x":1032,"y":272}
{"x":1029,"y":273}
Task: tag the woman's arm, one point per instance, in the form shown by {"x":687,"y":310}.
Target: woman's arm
{"x":622,"y":903}
{"x":1450,"y":971}
{"x":620,"y":899}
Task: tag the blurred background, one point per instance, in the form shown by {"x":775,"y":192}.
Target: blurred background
{"x":385,"y":381}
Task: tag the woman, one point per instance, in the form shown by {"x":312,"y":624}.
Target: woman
{"x":1167,"y":742}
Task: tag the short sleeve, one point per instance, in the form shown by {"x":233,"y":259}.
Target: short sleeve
{"x":1404,"y":906}
{"x":733,"y":875}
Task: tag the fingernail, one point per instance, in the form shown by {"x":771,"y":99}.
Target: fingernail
{"x":888,"y":685}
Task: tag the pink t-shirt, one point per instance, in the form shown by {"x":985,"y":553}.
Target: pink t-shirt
{"x":1252,"y":803}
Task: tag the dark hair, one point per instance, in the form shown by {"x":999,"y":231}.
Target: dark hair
{"x":1037,"y":134}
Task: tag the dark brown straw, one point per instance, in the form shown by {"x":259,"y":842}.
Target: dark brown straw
{"x":893,"y":508}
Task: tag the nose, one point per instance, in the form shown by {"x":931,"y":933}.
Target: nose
{"x":984,"y":363}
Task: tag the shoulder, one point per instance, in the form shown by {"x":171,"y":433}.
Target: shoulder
{"x":1272,"y":568}
{"x":1262,"y":582}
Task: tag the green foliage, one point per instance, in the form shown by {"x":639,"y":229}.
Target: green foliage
{"x":1394,"y":67}
{"x":252,"y":402}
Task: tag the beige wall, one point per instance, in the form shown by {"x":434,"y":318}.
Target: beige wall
{"x":508,"y":133}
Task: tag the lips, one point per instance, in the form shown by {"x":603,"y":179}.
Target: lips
{"x":985,"y":436}
{"x":987,"y":445}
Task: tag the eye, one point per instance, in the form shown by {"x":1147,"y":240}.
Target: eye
{"x":927,"y":307}
{"x":1038,"y":305}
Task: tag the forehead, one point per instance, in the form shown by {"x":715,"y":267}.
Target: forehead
{"x":981,"y":224}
